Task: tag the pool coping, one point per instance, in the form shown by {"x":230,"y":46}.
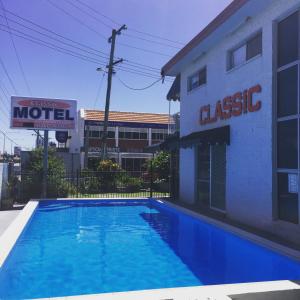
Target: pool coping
{"x":14,"y":230}
{"x":208,"y":292}
{"x":222,"y":291}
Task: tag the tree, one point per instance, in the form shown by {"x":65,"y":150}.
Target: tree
{"x":160,"y":166}
{"x":35,"y":162}
{"x":32,"y":174}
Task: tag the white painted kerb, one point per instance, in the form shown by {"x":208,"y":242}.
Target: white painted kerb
{"x":12,"y":233}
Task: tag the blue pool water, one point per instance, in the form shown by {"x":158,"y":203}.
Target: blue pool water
{"x":73,"y":248}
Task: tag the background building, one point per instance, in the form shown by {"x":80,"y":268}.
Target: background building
{"x":129,"y":134}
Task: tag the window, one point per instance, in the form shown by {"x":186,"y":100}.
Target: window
{"x":287,"y":148}
{"x":288,"y":32}
{"x":133,"y":133}
{"x":288,"y":197}
{"x":288,"y":119}
{"x":254,"y":46}
{"x":251,"y":48}
{"x":159,"y":134}
{"x":197,"y":79}
{"x":238,"y":56}
{"x":287,"y":84}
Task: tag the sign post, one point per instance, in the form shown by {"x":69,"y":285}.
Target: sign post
{"x":45,"y":164}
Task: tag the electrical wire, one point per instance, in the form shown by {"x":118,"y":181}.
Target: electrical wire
{"x":133,"y":30}
{"x":105,"y":55}
{"x":66,"y":51}
{"x":99,"y":90}
{"x":8,"y":76}
{"x":55,"y":39}
{"x":16,"y":52}
{"x":50,"y":45}
{"x":87,"y":13}
{"x":101,"y":35}
{"x":138,"y":89}
{"x":76,"y":19}
{"x":129,"y":62}
{"x":110,"y":27}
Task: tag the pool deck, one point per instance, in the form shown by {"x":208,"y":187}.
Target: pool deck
{"x":272,"y":290}
{"x":6,"y":218}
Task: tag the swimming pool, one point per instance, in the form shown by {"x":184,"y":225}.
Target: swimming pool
{"x":88,"y":247}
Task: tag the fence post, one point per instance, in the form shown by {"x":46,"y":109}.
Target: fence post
{"x":77,"y":182}
{"x":151,"y":179}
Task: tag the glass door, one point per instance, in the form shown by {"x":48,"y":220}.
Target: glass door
{"x":203,"y":178}
{"x":218,"y":177}
{"x":211,"y":176}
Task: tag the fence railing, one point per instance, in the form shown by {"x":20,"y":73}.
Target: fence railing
{"x":92,"y":184}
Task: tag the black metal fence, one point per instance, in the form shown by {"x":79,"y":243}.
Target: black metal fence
{"x":92,"y":184}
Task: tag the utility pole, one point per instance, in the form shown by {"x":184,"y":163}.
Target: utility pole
{"x":110,"y":68}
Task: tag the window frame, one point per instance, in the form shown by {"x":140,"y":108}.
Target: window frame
{"x":245,"y":43}
{"x":200,"y":82}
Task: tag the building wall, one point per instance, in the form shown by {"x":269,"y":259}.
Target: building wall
{"x":249,"y":173}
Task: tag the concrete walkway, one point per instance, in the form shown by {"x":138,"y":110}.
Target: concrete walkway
{"x":6,"y":218}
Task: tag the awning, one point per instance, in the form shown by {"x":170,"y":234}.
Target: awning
{"x":174,"y":92}
{"x":220,"y":135}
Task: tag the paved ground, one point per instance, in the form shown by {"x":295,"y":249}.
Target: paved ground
{"x":7,"y":216}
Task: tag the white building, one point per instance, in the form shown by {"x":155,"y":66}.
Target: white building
{"x":239,"y":106}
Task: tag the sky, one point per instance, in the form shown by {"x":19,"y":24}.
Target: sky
{"x":50,"y":73}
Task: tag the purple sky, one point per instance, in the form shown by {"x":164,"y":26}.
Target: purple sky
{"x":56,"y":75}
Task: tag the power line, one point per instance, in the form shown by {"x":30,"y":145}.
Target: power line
{"x":139,"y":89}
{"x":129,"y":62}
{"x":8,"y":76}
{"x":92,"y":16}
{"x":99,"y":13}
{"x":4,"y":90}
{"x":145,"y":50}
{"x":101,"y":35}
{"x":110,"y":27}
{"x":50,"y":45}
{"x":72,"y":40}
{"x":16,"y":52}
{"x":138,"y":73}
{"x":158,"y":37}
{"x":55,"y":39}
{"x":4,"y":87}
{"x":57,"y":34}
{"x":144,"y":72}
{"x":99,"y":90}
{"x":68,"y":52}
{"x":133,"y":30}
{"x":75,"y":18}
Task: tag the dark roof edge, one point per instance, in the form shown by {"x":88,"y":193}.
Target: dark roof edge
{"x":230,"y":10}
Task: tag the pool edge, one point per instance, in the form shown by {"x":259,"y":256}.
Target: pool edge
{"x":14,"y":230}
{"x":276,"y":247}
